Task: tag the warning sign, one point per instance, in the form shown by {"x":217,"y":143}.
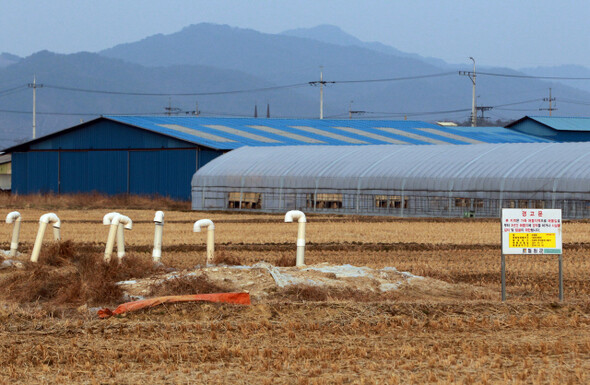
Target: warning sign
{"x":528,"y":231}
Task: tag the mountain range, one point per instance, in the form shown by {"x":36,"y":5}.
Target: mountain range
{"x":225,"y":71}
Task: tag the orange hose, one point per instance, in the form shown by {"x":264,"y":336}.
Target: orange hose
{"x":237,"y":298}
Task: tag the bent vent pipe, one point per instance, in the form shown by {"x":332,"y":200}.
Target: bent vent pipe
{"x":118,"y":223}
{"x":300,"y":217}
{"x":210,"y":237}
{"x":159,"y":221}
{"x":43,"y":222}
{"x":14,"y":217}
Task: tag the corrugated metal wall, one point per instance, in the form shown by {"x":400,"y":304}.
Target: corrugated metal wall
{"x":109,"y":158}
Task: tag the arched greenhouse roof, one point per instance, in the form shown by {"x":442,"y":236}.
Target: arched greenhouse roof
{"x":530,"y":167}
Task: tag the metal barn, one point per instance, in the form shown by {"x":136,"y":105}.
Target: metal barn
{"x":108,"y":156}
{"x":555,"y":128}
{"x":437,"y":181}
{"x":159,"y":155}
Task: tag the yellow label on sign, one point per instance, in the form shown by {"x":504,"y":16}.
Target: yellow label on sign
{"x":540,"y":240}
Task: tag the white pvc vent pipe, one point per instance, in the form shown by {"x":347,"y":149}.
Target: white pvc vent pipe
{"x":14,"y":217}
{"x":300,"y":217}
{"x":118,"y":223}
{"x":210,"y":237}
{"x":43,"y":222}
{"x":107,"y":221}
{"x":159,"y":221}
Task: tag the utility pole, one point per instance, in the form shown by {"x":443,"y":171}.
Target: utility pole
{"x":473,"y":107}
{"x":321,"y":92}
{"x":34,"y":86}
{"x":321,"y":83}
{"x":171,"y":110}
{"x":351,"y":111}
{"x":549,"y":99}
{"x":483,"y":109}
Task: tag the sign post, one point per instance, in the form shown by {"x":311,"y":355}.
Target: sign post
{"x":531,"y":232}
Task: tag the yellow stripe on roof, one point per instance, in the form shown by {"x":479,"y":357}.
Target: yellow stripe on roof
{"x":288,"y":134}
{"x":197,"y":133}
{"x":410,"y":135}
{"x":241,"y":133}
{"x":450,"y":136}
{"x":330,"y":135}
{"x":371,"y":135}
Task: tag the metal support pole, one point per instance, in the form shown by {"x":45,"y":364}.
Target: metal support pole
{"x":473,"y":109}
{"x":503,"y":278}
{"x":560,"y":278}
{"x":34,"y":107}
{"x":322,"y":92}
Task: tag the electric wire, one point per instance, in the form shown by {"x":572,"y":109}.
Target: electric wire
{"x":252,"y":90}
{"x":288,"y":86}
{"x":13,"y":89}
{"x":523,"y":76}
{"x":417,"y":77}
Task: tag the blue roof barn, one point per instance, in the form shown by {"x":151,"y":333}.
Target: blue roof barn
{"x":558,"y":129}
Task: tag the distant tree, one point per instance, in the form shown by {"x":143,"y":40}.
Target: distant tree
{"x":485,"y":122}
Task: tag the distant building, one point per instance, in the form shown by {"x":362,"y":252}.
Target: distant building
{"x":447,"y":124}
{"x":159,"y":155}
{"x":558,"y":129}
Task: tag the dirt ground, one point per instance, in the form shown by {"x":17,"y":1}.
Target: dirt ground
{"x":381,"y":301}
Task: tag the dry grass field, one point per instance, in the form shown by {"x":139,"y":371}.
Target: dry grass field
{"x":49,"y":334}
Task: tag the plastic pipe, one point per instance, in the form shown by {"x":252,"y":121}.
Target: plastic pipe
{"x":108,"y":218}
{"x":210,"y":237}
{"x":43,"y":222}
{"x":117,"y":222}
{"x":107,"y":221}
{"x":14,"y":217}
{"x":300,"y":217}
{"x":120,"y":242}
{"x":159,"y":221}
{"x":121,"y":222}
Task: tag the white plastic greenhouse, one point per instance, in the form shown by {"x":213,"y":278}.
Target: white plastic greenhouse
{"x":442,"y":181}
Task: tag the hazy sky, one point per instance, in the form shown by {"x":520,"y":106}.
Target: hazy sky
{"x":511,"y":33}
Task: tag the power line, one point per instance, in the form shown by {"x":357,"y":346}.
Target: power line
{"x":295,"y":85}
{"x":78,"y":113}
{"x":516,"y":103}
{"x":272,"y":88}
{"x":261,"y":89}
{"x":176,"y":94}
{"x":517,"y":109}
{"x":581,"y":103}
{"x":532,"y":76}
{"x":395,"y":79}
{"x":419,"y":113}
{"x":13,"y":89}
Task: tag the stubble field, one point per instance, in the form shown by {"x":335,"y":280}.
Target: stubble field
{"x":463,"y":334}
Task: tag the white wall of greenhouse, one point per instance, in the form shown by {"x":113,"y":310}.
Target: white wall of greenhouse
{"x":444,"y":180}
